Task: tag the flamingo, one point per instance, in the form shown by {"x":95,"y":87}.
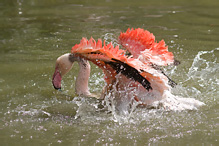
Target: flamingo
{"x":138,"y":73}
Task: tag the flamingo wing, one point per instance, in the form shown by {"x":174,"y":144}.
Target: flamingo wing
{"x":113,"y":60}
{"x":141,"y":44}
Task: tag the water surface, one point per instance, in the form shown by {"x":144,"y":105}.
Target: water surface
{"x":34,"y":33}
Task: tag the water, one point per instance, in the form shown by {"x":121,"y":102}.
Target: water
{"x":34,"y":33}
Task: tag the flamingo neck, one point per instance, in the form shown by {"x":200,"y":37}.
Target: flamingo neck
{"x":81,"y":85}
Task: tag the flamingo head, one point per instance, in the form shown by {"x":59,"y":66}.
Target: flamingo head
{"x":63,"y":65}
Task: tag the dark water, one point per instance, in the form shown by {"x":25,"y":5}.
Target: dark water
{"x":34,"y":33}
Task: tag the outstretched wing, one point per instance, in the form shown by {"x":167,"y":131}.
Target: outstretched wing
{"x":141,"y":44}
{"x":113,"y":60}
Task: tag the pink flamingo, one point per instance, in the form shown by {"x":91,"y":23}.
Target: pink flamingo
{"x":138,"y":73}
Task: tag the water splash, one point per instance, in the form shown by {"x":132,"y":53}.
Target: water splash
{"x":121,"y":103}
{"x":110,"y":38}
{"x":203,"y":75}
{"x":203,"y":69}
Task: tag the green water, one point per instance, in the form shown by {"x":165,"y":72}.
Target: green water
{"x":34,"y":33}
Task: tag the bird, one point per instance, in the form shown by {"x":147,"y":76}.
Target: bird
{"x":133,"y":70}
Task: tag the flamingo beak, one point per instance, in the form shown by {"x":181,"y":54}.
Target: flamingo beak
{"x":57,"y":78}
